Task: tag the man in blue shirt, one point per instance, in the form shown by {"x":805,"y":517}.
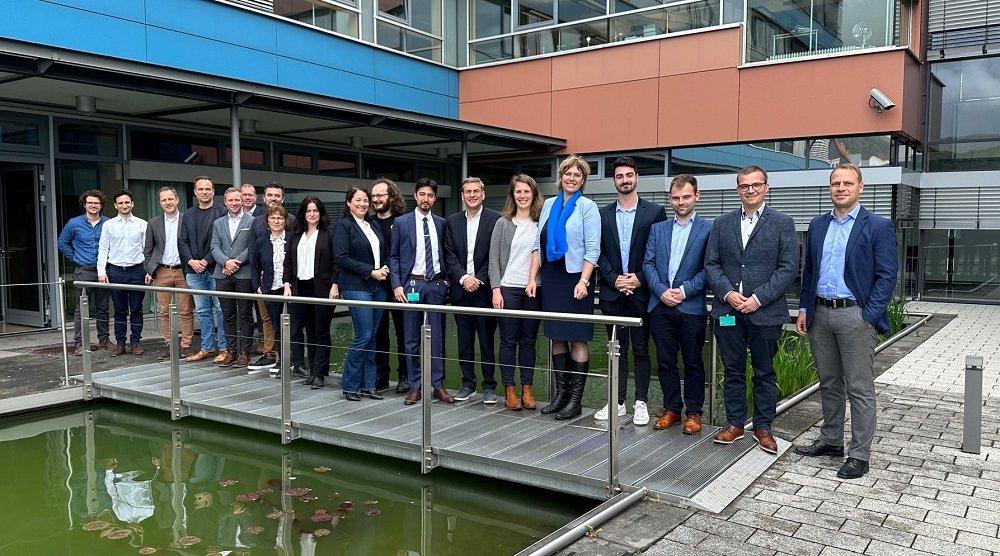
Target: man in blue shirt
{"x":848,"y":280}
{"x":78,"y":241}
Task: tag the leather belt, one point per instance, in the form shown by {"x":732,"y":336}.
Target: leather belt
{"x":835,"y":303}
{"x":87,"y":268}
{"x":424,"y":278}
{"x":170,"y":266}
{"x":129,"y":267}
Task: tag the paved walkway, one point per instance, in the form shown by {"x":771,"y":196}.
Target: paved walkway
{"x":923,"y":495}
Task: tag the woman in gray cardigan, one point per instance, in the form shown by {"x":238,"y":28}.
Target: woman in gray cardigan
{"x":510,"y":265}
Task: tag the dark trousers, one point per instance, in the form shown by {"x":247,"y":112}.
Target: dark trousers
{"x":274,"y":309}
{"x":675,"y":331}
{"x":431,"y":292}
{"x":315,"y":320}
{"x":762,"y":341}
{"x":382,"y":355}
{"x":470,"y":326}
{"x":128,"y":303}
{"x":638,"y":338}
{"x":98,"y":297}
{"x":518,"y":337}
{"x":237,"y":315}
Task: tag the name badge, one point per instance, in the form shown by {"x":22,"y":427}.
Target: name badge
{"x":414,"y":297}
{"x":727,"y":320}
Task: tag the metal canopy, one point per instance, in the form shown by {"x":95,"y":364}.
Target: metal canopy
{"x":33,"y":76}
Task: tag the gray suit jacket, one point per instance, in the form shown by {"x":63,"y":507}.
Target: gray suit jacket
{"x":156,"y":240}
{"x":238,"y":248}
{"x":766,"y":267}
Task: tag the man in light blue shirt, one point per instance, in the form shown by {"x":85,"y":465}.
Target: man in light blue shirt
{"x":120,"y":261}
{"x":78,"y":241}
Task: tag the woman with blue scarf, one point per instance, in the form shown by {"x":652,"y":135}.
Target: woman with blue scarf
{"x":565,"y":253}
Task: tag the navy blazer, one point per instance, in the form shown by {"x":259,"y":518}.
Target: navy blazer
{"x":870,"y":266}
{"x":456,"y":252}
{"x":609,"y":265}
{"x":325,"y":269}
{"x":262,"y":262}
{"x":767,"y":266}
{"x":403,"y":249}
{"x":353,"y":253}
{"x":690,"y":273}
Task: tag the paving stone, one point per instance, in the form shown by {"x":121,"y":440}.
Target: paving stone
{"x":788,"y":500}
{"x":830,"y":496}
{"x":888,"y":474}
{"x":644,"y":523}
{"x":834,"y":551}
{"x":765,"y":522}
{"x":878,"y":548}
{"x":829,"y":537}
{"x":719,"y":527}
{"x":880,"y":533}
{"x":852,"y":512}
{"x":798,"y":547}
{"x":950,"y":486}
{"x":667,"y":547}
{"x":980,"y":514}
{"x":916,"y":527}
{"x":963,"y":523}
{"x":810,"y":517}
{"x":991,"y":543}
{"x":683,"y":534}
{"x":935,"y":546}
{"x":907,"y":488}
{"x":868,"y":492}
{"x":926,"y":469}
{"x":730,"y":547}
{"x":951,"y":508}
{"x":595,"y":546}
{"x":754,"y":505}
{"x":808,"y":480}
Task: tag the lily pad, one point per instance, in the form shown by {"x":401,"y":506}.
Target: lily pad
{"x":371,"y":502}
{"x":307,"y":498}
{"x":333,"y":495}
{"x":346,"y":505}
{"x":321,"y":469}
{"x":147,"y":550}
{"x":372,"y":512}
{"x":189,"y":540}
{"x":119,"y":534}
{"x":228,"y":482}
{"x":299,"y":491}
{"x":264,"y":491}
{"x":276,"y":514}
{"x":255,"y":530}
{"x":317,"y":518}
{"x":96,"y":525}
{"x":250,"y":497}
{"x":321,"y":532}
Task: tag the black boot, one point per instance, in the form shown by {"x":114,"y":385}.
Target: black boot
{"x":578,"y":380}
{"x":560,"y":363}
{"x":317,"y":382}
{"x":309,"y":381}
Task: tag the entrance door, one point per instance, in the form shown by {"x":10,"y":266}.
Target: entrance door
{"x":20,"y":247}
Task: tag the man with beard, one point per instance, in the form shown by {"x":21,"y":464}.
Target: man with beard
{"x":389,"y":204}
{"x":119,"y":261}
{"x":78,"y":241}
{"x":163,"y":265}
{"x":625,"y":227}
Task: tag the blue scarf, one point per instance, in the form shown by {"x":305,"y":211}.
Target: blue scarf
{"x":555,"y":244}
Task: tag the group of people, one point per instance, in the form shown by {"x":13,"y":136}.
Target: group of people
{"x":535,"y":255}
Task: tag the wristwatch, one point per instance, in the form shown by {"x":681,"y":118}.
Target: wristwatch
{"x":585,"y":282}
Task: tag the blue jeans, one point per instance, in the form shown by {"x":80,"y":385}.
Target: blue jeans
{"x":675,"y":331}
{"x":359,"y":367}
{"x":762,"y":342}
{"x":128,"y":303}
{"x":208,"y":309}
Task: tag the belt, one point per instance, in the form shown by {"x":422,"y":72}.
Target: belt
{"x":87,"y":268}
{"x":424,"y":278}
{"x":171,"y":266}
{"x":835,"y":303}
{"x":129,"y":267}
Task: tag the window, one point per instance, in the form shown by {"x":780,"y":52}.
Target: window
{"x":88,"y":139}
{"x":344,"y":165}
{"x":319,"y":13}
{"x":489,"y":18}
{"x":250,"y":155}
{"x":964,"y":106}
{"x":649,"y":165}
{"x":297,"y":161}
{"x":173,"y":147}
{"x":14,"y":132}
{"x":424,"y":15}
{"x":395,"y":170}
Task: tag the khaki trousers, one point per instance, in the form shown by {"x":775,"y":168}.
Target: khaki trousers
{"x":174,"y":278}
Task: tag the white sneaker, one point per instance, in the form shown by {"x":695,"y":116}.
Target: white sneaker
{"x":641,"y":417}
{"x":602,"y":414}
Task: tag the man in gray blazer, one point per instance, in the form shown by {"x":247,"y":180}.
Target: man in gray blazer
{"x":163,"y":266}
{"x":231,"y":238}
{"x":751,"y":259}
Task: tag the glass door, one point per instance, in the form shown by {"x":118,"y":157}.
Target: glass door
{"x":21,"y":247}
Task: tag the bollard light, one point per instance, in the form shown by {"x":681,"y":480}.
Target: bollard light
{"x":973,"y":434}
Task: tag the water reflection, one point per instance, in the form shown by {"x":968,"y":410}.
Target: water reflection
{"x":114,"y":479}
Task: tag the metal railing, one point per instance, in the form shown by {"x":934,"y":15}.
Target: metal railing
{"x":59,"y":310}
{"x":289,"y":431}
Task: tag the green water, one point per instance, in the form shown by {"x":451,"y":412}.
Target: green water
{"x":113,"y":479}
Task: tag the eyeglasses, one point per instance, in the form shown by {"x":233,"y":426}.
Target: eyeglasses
{"x":744,"y":187}
{"x":276,"y":218}
{"x":379,"y":195}
{"x":471,"y":192}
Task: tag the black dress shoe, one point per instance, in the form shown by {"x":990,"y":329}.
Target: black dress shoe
{"x":820,"y":448}
{"x":853,"y":468}
{"x":373,"y":394}
{"x":402,"y":387}
{"x":299,"y":370}
{"x":317,"y":383}
{"x":352,"y":396}
{"x":309,"y":381}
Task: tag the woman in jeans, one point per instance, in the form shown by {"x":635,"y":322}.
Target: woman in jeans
{"x":510,"y":264}
{"x":361,"y":253}
{"x":267,"y":264}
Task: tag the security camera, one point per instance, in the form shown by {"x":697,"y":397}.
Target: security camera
{"x":880,"y":101}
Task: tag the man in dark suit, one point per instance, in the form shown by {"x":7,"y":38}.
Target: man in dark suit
{"x":625,"y":227}
{"x":675,"y":271}
{"x":231,"y":250}
{"x":848,"y":279}
{"x":467,"y":254}
{"x":418,"y":274}
{"x":751,"y":259}
{"x":163,"y":265}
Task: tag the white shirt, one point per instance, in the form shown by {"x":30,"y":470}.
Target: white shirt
{"x":171,"y":257}
{"x":515,"y":275}
{"x":471,"y":230}
{"x":418,"y":264}
{"x":234,"y":224}
{"x":121,"y":243}
{"x":307,"y":256}
{"x":278,"y":261}
{"x":372,"y":239}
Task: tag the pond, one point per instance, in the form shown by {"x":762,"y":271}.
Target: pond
{"x":109,"y":479}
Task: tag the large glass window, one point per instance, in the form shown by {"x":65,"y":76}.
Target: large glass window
{"x":19,"y":133}
{"x":646,"y":165}
{"x":88,"y":139}
{"x":961,"y":264}
{"x":338,"y":164}
{"x":407,"y":40}
{"x":963,"y":110}
{"x":489,"y":18}
{"x":173,"y":147}
{"x":821,"y":152}
{"x":394,"y":169}
{"x":318,"y":13}
{"x":424,"y":15}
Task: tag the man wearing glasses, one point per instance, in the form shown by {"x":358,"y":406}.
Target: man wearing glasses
{"x":78,"y":241}
{"x":467,"y":254}
{"x":751,"y":259}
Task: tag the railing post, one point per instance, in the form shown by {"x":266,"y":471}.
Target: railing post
{"x":713,"y":385}
{"x":288,"y":430}
{"x":427,"y":459}
{"x":88,"y":379}
{"x":614,"y":353}
{"x":61,"y":308}
{"x":177,"y":409}
{"x":972,"y":438}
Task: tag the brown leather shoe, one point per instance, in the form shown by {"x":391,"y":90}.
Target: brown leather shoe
{"x":443,"y":395}
{"x":202,"y":354}
{"x":227,"y":361}
{"x":260,"y":348}
{"x":728,"y":435}
{"x":78,"y":350}
{"x":510,"y":398}
{"x":693,"y":424}
{"x":242,"y":361}
{"x":765,"y":441}
{"x":412,"y":398}
{"x":527,"y":398}
{"x":137,"y":349}
{"x":186,"y":352}
{"x":221,"y":357}
{"x":104,"y":344}
{"x":119,"y":350}
{"x":667,"y":420}
{"x":164,"y":354}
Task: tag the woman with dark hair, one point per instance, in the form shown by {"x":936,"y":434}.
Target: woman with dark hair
{"x":566,"y":253}
{"x":310,"y":271}
{"x":510,"y":264}
{"x":361,"y":253}
{"x":267,"y":268}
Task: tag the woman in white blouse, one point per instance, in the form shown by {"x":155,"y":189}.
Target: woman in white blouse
{"x":267,"y":264}
{"x":361,"y":253}
{"x":510,"y":264}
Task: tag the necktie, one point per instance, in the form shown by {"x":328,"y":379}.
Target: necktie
{"x":428,"y":252}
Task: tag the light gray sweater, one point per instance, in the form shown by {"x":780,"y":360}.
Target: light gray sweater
{"x":500,"y":241}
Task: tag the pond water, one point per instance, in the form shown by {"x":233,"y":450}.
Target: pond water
{"x":110,"y":479}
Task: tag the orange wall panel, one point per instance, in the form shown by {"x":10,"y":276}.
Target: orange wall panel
{"x":606,"y":117}
{"x":698,"y":108}
{"x":508,"y":80}
{"x":528,"y":113}
{"x":701,"y":52}
{"x":606,"y":65}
